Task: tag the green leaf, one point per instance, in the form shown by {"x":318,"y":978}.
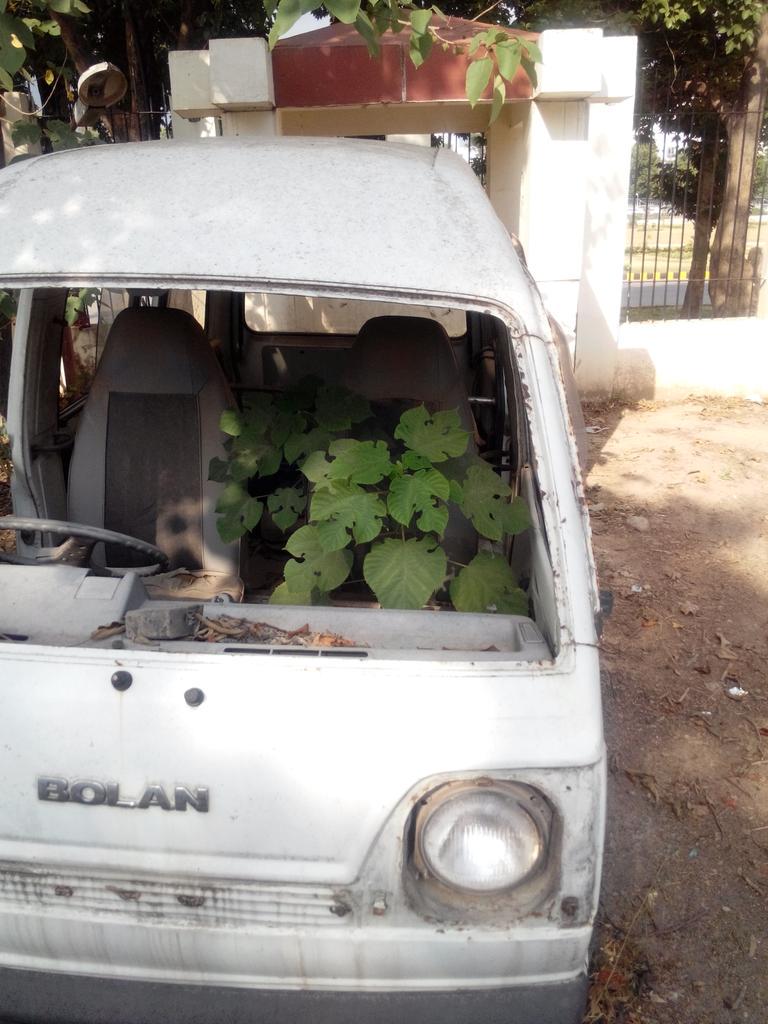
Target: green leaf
{"x":396,"y":14}
{"x":359,"y":462}
{"x":62,"y":136}
{"x":26,"y":133}
{"x":245,"y":466}
{"x":405,"y":573}
{"x":371,"y":32}
{"x":231,"y":423}
{"x":287,"y":14}
{"x":285,"y":425}
{"x":381,"y":17}
{"x":332,"y":534}
{"x":508,"y":59}
{"x":513,"y":602}
{"x":499,"y":95}
{"x":286,"y":505}
{"x":218,"y":470}
{"x":457,"y":492}
{"x":7,"y":305}
{"x":254,"y":458}
{"x":317,"y":569}
{"x":337,"y":408}
{"x":22,"y":31}
{"x":438,"y":436}
{"x":419,"y":48}
{"x":230,"y":527}
{"x":297,"y":445}
{"x":530,"y":70}
{"x":232,"y":498}
{"x":12,"y":52}
{"x":6,"y":82}
{"x":316,"y":468}
{"x":486,"y":502}
{"x":258,"y":415}
{"x":420,"y":21}
{"x":474,"y":43}
{"x":416,"y":494}
{"x":533,"y":51}
{"x":350,"y":506}
{"x":252,"y":512}
{"x":412,"y":460}
{"x":282,"y":595}
{"x":78,"y":303}
{"x":478,"y":76}
{"x":488,"y":584}
{"x":345,"y":10}
{"x":516,"y":517}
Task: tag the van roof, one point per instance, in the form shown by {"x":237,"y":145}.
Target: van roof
{"x":344,"y":214}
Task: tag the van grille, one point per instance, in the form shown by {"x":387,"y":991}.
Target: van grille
{"x":222,"y":903}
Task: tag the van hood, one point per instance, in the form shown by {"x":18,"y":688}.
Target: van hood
{"x":280,"y":769}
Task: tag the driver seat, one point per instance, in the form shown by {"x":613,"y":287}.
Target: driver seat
{"x":148,"y":431}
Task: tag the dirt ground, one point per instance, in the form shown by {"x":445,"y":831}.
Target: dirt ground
{"x":684,"y":936}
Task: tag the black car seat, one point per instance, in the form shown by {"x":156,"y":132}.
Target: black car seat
{"x":148,"y":431}
{"x":407,"y":360}
{"x":398,"y":362}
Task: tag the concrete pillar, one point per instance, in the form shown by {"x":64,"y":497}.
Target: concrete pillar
{"x":249,"y":122}
{"x":231,"y":80}
{"x":505,"y":158}
{"x":607,"y":184}
{"x":552,"y":198}
{"x":558,"y":173}
{"x":195,"y":127}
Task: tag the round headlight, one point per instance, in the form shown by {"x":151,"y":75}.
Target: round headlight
{"x":481,"y":839}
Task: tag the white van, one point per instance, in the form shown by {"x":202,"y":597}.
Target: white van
{"x":299,"y":692}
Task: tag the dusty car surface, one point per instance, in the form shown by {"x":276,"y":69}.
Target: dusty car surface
{"x":280,"y":737}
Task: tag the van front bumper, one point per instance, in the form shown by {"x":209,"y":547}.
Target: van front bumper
{"x":34,"y":997}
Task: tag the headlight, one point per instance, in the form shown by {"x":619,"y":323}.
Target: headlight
{"x":482,"y":837}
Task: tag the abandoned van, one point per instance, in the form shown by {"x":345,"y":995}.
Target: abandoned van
{"x":299,"y":691}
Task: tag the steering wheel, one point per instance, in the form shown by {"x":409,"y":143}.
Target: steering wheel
{"x":77,"y":549}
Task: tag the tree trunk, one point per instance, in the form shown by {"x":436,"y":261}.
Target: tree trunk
{"x":186,"y":25}
{"x":139,"y":127}
{"x":81,"y":56}
{"x":730,"y":282}
{"x":704,"y":218}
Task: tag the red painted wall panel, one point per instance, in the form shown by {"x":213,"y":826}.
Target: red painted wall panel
{"x":325,"y":76}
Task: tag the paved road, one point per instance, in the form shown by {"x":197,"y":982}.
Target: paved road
{"x":656,"y":293}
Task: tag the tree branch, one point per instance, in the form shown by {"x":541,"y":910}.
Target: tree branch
{"x":81,"y":56}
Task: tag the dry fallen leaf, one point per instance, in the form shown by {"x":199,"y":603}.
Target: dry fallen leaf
{"x":725,"y":652}
{"x":104,"y":632}
{"x":689,"y":608}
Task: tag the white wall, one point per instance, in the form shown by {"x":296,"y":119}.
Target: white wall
{"x":674,"y":358}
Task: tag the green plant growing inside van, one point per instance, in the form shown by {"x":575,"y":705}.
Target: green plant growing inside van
{"x":386,"y":498}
